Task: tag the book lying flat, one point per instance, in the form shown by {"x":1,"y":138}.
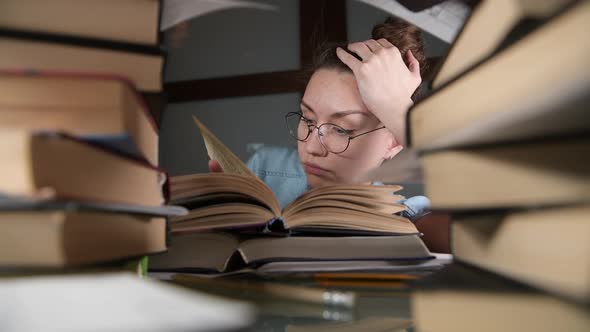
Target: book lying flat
{"x":222,"y":252}
{"x":346,"y":266}
{"x":515,"y":94}
{"x":19,"y":203}
{"x":488,"y":25}
{"x":140,"y":64}
{"x":548,"y":248}
{"x":543,"y":172}
{"x":81,"y":104}
{"x":461,"y":299}
{"x":60,"y":238}
{"x":57,"y":166}
{"x":126,"y":21}
{"x":237,"y":199}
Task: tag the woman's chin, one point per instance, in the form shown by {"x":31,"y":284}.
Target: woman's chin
{"x":314,"y":181}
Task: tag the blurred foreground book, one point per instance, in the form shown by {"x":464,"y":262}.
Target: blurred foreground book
{"x":459,"y":298}
{"x":113,"y":302}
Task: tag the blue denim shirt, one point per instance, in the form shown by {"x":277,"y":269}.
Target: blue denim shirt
{"x":281,"y":170}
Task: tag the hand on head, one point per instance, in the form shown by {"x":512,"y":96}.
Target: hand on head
{"x":385,"y":82}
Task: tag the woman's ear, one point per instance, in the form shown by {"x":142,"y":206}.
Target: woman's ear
{"x":393,"y":148}
{"x":392,"y":151}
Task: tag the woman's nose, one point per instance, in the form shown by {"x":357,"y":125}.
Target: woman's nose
{"x":313,"y":145}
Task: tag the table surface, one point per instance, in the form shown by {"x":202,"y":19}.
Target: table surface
{"x":378,"y":306}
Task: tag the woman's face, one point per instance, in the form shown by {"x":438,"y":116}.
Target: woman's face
{"x":333,"y":96}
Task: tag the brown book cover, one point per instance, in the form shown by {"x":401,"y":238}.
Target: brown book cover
{"x":60,"y":166}
{"x":87,"y":105}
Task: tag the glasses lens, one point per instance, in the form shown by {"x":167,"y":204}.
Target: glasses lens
{"x":334,"y":138}
{"x":297,"y":126}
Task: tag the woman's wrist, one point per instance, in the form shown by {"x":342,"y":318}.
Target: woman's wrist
{"x":393,"y":116}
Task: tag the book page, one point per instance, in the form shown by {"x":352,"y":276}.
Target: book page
{"x":216,"y":150}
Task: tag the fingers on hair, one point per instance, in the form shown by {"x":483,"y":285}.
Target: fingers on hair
{"x":403,"y":35}
{"x":361,"y":49}
{"x":348,"y":59}
{"x":373,"y":45}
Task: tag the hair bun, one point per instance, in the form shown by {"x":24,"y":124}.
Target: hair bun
{"x":404,"y":36}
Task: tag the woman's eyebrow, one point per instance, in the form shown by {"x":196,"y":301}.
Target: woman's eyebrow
{"x":337,"y":114}
{"x":307,"y":106}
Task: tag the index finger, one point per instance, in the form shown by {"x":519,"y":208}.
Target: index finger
{"x":348,"y":59}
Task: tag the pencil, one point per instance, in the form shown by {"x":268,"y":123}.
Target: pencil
{"x":363,"y":276}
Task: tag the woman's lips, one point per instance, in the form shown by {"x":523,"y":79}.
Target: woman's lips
{"x":314,"y":169}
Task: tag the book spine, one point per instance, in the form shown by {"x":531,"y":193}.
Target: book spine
{"x":81,"y":41}
{"x":276,"y":226}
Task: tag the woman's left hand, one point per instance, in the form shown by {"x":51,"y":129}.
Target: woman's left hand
{"x":385,"y":83}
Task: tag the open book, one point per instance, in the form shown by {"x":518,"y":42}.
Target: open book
{"x":237,"y":199}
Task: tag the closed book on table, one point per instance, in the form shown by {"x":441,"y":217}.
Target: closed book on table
{"x":61,"y":238}
{"x":458,"y":298}
{"x":99,"y":107}
{"x":491,"y":24}
{"x":141,"y":64}
{"x":223,"y":252}
{"x":54,"y":165}
{"x":543,"y":172}
{"x":522,"y":92}
{"x":548,"y":248}
{"x":132,"y":21}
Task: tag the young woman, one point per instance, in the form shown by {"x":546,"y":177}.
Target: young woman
{"x":351,"y":117}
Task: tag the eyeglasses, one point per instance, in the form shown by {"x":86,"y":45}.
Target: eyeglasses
{"x":333,"y":138}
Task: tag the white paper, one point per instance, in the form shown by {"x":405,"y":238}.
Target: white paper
{"x":443,"y":20}
{"x":113,"y":302}
{"x":176,"y":11}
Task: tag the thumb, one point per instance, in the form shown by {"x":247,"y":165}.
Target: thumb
{"x":215,"y":167}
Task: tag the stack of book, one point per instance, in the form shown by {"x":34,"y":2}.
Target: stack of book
{"x":504,"y":143}
{"x":79,"y":145}
{"x":236,"y":224}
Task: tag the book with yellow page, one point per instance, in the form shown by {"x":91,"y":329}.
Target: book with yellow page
{"x":237,"y":199}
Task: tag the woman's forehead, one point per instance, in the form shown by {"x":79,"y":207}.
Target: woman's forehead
{"x":333,"y":92}
{"x":334,"y":112}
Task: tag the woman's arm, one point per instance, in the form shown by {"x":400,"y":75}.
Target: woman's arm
{"x":385,"y":82}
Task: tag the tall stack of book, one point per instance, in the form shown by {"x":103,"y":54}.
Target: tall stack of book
{"x":505,"y":147}
{"x":78,"y":144}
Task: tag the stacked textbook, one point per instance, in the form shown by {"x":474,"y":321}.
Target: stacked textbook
{"x":79,"y":145}
{"x":81,"y":196}
{"x":235,"y":224}
{"x":505,"y":147}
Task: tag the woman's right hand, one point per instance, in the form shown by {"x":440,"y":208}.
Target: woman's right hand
{"x":215,"y":167}
{"x":385,"y":82}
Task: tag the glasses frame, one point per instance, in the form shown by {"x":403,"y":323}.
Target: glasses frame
{"x":311,"y":128}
